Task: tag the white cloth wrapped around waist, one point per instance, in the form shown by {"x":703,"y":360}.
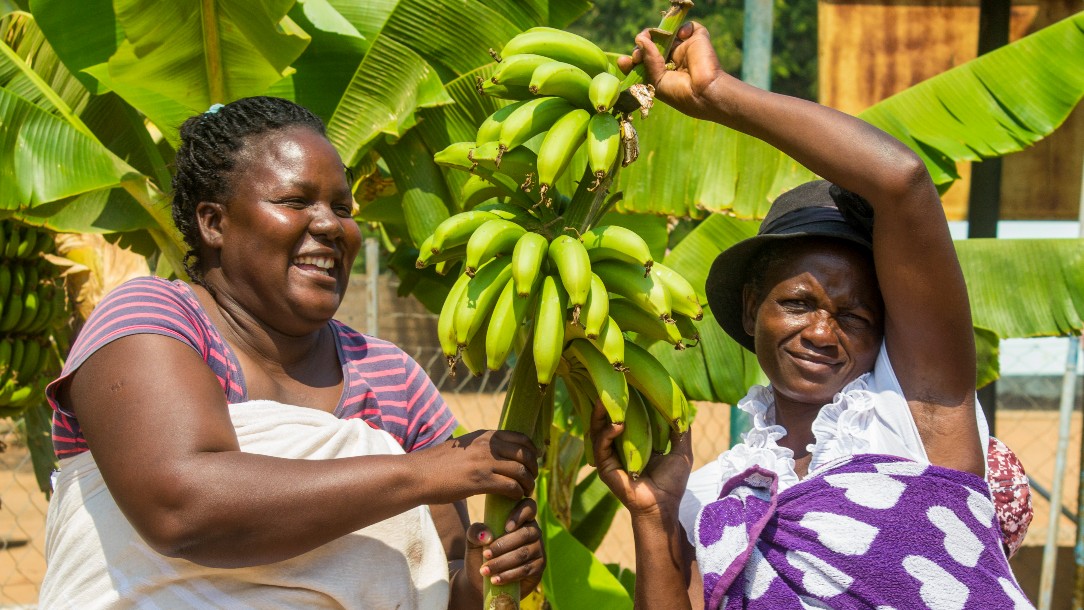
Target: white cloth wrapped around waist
{"x":96,"y":559}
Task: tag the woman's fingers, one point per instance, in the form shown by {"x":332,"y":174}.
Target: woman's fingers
{"x":515,"y":556}
{"x":523,"y":512}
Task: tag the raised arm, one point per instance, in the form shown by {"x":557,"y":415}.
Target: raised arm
{"x":928,"y":330}
{"x":158,"y":426}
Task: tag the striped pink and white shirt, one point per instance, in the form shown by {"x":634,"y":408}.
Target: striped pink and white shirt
{"x":383,"y":385}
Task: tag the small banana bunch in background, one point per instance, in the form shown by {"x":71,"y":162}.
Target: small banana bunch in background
{"x":564,"y":86}
{"x":32,"y":301}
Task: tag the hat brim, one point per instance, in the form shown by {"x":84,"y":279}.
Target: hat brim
{"x":729,"y":273}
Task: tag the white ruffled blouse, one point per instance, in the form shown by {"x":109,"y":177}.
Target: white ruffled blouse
{"x":869,"y":415}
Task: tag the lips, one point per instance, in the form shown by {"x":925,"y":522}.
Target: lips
{"x":814,"y":362}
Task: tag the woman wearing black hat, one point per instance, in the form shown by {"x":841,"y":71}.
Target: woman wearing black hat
{"x":860,"y":484}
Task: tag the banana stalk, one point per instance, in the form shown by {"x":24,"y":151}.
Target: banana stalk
{"x":663,"y":37}
{"x":523,"y":403}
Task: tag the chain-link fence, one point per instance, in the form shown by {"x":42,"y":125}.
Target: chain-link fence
{"x":1027,"y":421}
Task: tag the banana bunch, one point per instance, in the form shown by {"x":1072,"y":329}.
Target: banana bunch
{"x":564,"y":89}
{"x":32,"y":301}
{"x":534,"y":273}
{"x":586,"y":304}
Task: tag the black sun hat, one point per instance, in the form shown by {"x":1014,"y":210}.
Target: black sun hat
{"x":813,"y":209}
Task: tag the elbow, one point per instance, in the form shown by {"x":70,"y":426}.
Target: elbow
{"x":909,"y":179}
{"x":172,"y":521}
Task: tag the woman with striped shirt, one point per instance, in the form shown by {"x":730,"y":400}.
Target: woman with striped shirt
{"x":146,"y":398}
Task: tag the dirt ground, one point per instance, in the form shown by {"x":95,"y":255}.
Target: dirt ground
{"x":1032,"y":434}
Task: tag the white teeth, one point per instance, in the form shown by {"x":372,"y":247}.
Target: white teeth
{"x":318,"y":261}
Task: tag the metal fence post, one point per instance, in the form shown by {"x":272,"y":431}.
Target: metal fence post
{"x":372,"y":276}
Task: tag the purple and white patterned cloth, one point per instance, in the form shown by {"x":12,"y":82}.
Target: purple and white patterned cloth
{"x":866,"y":531}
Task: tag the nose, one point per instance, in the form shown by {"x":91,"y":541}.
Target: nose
{"x":821,"y":331}
{"x":325,"y":222}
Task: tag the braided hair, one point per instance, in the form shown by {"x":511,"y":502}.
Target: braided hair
{"x":210,"y":143}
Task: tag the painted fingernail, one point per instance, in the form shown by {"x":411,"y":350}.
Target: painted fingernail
{"x":483,"y":537}
{"x":495,"y":580}
{"x":488,"y":554}
{"x":484,"y":570}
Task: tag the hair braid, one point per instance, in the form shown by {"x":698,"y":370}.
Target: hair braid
{"x":210,"y":143}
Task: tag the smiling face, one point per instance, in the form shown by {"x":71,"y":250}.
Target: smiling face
{"x":819,"y":321}
{"x":284,"y":240}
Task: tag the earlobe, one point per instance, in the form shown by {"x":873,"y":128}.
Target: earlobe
{"x":209,"y":217}
{"x":749,"y":310}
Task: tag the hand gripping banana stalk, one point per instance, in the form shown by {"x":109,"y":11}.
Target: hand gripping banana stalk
{"x":574,"y":302}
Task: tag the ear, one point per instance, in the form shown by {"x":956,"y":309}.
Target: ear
{"x":209,"y":216}
{"x":750,"y":302}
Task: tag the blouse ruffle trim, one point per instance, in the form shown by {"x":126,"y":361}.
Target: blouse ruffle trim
{"x":841,"y":428}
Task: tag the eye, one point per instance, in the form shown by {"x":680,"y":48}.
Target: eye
{"x":794,"y":305}
{"x":855,"y":320}
{"x":293,"y":202}
{"x":344,"y":211}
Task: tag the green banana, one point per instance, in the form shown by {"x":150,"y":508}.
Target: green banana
{"x":633,"y":318}
{"x":442,"y":259}
{"x":531,"y":119}
{"x":627,"y":280}
{"x":569,"y":257}
{"x":31,"y":302}
{"x":425,"y":253}
{"x":45,"y":309}
{"x":476,"y":191}
{"x":559,"y":146}
{"x":15,"y":239}
{"x":478,"y":298}
{"x":597,"y":308}
{"x":610,"y":383}
{"x":490,"y":129}
{"x":13,"y":311}
{"x":456,"y":155}
{"x":683,"y":297}
{"x":517,"y":69}
{"x":564,"y":80}
{"x":611,"y":343}
{"x":651,"y":379}
{"x":446,"y":321}
{"x":6,"y":348}
{"x":604,"y":91}
{"x":492,"y":238}
{"x":527,"y":257}
{"x":660,"y":428}
{"x":31,"y":355}
{"x":473,"y":354}
{"x":560,"y":45}
{"x":18,"y":351}
{"x":508,"y":92}
{"x":634,"y":444}
{"x":18,"y":279}
{"x":26,"y":244}
{"x":614,"y":242}
{"x":508,"y":315}
{"x":549,"y":329}
{"x":518,"y":163}
{"x":685,"y":325}
{"x":456,"y":230}
{"x":603,"y":143}
{"x":5,"y":281}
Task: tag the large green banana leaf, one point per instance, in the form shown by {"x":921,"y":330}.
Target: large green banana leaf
{"x":55,"y":171}
{"x":996,"y":104}
{"x":176,"y":57}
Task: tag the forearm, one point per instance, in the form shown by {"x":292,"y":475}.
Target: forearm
{"x":661,"y":576}
{"x":464,"y":595}
{"x":233,"y":509}
{"x":839,"y":147}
